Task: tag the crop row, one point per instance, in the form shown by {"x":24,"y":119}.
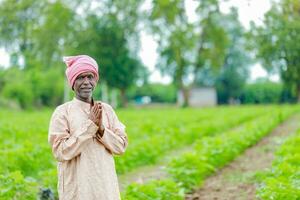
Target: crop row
{"x":209,"y":154}
{"x":282,"y":181}
{"x":177,"y":133}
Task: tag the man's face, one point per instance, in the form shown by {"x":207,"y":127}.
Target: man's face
{"x":84,"y":86}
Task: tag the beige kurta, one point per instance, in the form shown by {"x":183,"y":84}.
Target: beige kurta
{"x":86,"y":168}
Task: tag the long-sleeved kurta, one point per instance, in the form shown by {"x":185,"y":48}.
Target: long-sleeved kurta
{"x":86,"y":169}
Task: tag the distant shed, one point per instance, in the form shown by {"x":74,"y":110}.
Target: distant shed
{"x":200,"y":97}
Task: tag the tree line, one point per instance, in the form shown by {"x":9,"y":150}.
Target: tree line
{"x":214,"y":50}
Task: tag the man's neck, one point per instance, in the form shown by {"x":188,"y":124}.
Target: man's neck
{"x":89,"y":100}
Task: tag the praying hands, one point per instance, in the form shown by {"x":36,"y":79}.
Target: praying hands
{"x":96,"y":117}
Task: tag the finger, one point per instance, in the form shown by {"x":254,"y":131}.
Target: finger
{"x":100,"y":118}
{"x":98,"y":107}
{"x":97,"y":113}
{"x":94,"y":108}
{"x":98,"y":136}
{"x":100,"y":113}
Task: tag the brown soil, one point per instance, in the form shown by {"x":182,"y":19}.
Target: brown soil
{"x":150,"y":172}
{"x":237,"y":180}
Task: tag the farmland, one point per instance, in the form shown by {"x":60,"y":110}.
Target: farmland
{"x":215,"y":137}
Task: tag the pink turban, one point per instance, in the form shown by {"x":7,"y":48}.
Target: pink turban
{"x":79,"y":64}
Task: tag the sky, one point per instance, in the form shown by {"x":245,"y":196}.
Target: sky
{"x":249,"y":10}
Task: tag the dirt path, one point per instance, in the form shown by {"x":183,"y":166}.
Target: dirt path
{"x":150,"y":172}
{"x":157,"y":171}
{"x":236,"y":181}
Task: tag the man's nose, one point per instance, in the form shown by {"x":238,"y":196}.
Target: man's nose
{"x":86,"y":80}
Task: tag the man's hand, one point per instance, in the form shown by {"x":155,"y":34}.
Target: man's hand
{"x":96,"y":114}
{"x":101,"y":127}
{"x":96,"y":117}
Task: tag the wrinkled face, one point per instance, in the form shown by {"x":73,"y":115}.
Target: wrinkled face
{"x":84,"y":86}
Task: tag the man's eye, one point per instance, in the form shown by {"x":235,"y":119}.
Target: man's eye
{"x":80,"y":77}
{"x":90,"y":77}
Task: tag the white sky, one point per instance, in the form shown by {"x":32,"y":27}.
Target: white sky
{"x":248,"y":10}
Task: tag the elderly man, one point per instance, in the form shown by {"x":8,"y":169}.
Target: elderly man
{"x":84,"y":135}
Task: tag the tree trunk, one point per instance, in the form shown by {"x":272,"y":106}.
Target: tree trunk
{"x":123,"y":97}
{"x":185,"y":93}
{"x":186,"y":98}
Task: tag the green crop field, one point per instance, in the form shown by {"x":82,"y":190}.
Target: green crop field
{"x":282,"y":181}
{"x":216,"y":135}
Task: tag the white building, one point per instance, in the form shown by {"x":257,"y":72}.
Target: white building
{"x":200,"y":97}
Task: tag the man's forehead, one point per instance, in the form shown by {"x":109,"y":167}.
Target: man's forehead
{"x":86,"y":74}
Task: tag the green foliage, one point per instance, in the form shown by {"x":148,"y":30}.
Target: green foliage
{"x":225,"y":37}
{"x":57,"y":27}
{"x":33,"y":87}
{"x":157,"y":92}
{"x":155,"y":190}
{"x":115,"y":39}
{"x":25,"y":150}
{"x":37,"y":34}
{"x":213,"y":39}
{"x":282,"y":180}
{"x":29,"y":29}
{"x":16,"y":24}
{"x":277,"y":41}
{"x":262,"y":92}
{"x":15,"y":186}
{"x":231,"y":80}
{"x":117,"y":67}
{"x":176,"y":39}
{"x":20,"y":89}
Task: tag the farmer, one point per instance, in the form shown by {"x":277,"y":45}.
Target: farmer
{"x":84,"y":135}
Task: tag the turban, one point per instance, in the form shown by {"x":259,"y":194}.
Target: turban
{"x":77,"y":65}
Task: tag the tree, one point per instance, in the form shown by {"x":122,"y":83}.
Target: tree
{"x":104,"y":39}
{"x":186,"y":48}
{"x":233,"y":74}
{"x":41,"y":32}
{"x":213,"y":40}
{"x":277,"y":42}
{"x":18,"y":20}
{"x":176,"y":39}
{"x":54,"y":35}
{"x":35,"y":32}
{"x":264,"y":91}
{"x":225,"y":64}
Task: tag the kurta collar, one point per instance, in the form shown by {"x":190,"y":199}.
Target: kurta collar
{"x":82,"y":104}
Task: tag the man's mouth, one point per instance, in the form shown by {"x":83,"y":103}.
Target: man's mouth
{"x":86,"y":89}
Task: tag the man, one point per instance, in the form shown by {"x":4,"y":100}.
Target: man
{"x":84,"y":135}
